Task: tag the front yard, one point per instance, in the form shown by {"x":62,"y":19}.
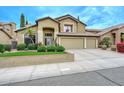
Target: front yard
{"x":33,"y":54}
{"x":14,"y":59}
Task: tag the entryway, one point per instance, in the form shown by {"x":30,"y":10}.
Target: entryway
{"x":48,"y":36}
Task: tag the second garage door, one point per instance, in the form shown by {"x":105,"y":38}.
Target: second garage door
{"x":72,"y":43}
{"x":90,"y":43}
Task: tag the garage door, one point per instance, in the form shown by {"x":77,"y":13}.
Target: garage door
{"x":91,"y":43}
{"x":72,"y":43}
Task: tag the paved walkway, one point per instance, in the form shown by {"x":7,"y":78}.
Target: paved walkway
{"x":85,"y":60}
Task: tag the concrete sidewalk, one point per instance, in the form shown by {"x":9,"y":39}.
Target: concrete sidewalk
{"x":85,"y":60}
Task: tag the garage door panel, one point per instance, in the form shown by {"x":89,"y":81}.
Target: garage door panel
{"x":72,"y":43}
{"x":91,"y":43}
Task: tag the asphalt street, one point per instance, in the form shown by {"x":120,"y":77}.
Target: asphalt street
{"x":107,"y":77}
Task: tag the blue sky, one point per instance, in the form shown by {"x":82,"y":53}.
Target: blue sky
{"x":95,"y":17}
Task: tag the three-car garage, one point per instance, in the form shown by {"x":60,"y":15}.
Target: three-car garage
{"x":78,"y":42}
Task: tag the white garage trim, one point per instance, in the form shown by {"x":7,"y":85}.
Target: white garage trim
{"x":96,"y":43}
{"x":85,"y":43}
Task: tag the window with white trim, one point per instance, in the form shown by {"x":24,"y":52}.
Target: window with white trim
{"x":67,"y":28}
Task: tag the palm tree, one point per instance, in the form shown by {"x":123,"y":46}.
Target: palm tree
{"x":29,"y":32}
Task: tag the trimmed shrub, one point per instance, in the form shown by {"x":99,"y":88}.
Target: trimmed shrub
{"x":113,"y":47}
{"x":41,"y":49}
{"x":7,"y":47}
{"x":106,"y":41}
{"x":60,"y":49}
{"x":21,"y":46}
{"x":2,"y":48}
{"x":26,"y":49}
{"x":51,"y":48}
{"x":32,"y":47}
{"x":104,"y":47}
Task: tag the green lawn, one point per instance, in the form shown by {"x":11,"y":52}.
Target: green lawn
{"x":28,"y":53}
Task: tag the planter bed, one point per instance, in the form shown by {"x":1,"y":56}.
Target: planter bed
{"x":34,"y":58}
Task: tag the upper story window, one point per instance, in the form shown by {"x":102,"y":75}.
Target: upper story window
{"x":67,"y":28}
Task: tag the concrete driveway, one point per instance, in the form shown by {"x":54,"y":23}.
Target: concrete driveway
{"x":85,"y":60}
{"x":92,"y":59}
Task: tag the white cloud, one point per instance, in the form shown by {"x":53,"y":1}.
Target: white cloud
{"x":93,"y":16}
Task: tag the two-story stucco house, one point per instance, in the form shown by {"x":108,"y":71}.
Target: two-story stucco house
{"x":65,"y":30}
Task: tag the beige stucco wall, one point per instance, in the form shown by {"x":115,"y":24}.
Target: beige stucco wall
{"x":118,"y":35}
{"x":4,"y":39}
{"x":80,"y":27}
{"x":76,"y":26}
{"x":20,"y":34}
{"x":47,"y":23}
{"x":106,"y":35}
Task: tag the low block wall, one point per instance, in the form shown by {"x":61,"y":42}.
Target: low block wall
{"x":35,"y":60}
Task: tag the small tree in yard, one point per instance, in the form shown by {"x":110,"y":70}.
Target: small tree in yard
{"x":30,"y":35}
{"x":106,"y":41}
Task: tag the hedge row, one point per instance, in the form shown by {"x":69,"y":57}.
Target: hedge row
{"x":41,"y":48}
{"x":29,"y":47}
{"x":5,"y":47}
{"x":51,"y":49}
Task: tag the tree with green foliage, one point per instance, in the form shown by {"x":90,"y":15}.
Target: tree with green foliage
{"x":106,"y":41}
{"x":30,"y":34}
{"x":22,"y":20}
{"x":26,"y":22}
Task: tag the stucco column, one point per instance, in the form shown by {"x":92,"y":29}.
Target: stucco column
{"x":96,"y":43}
{"x":117,"y":38}
{"x":40,"y":37}
{"x":85,"y":43}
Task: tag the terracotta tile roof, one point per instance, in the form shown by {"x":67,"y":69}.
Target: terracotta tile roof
{"x":47,"y":18}
{"x":76,"y":34}
{"x":97,"y":30}
{"x":70,"y":16}
{"x":106,"y":30}
{"x":25,"y":27}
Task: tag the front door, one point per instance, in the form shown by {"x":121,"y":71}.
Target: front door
{"x":14,"y":44}
{"x":48,"y":40}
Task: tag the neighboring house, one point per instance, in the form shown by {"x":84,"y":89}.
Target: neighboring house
{"x":7,"y":32}
{"x":65,"y":30}
{"x":115,"y":33}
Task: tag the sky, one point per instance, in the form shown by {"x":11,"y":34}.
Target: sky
{"x":96,"y":17}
